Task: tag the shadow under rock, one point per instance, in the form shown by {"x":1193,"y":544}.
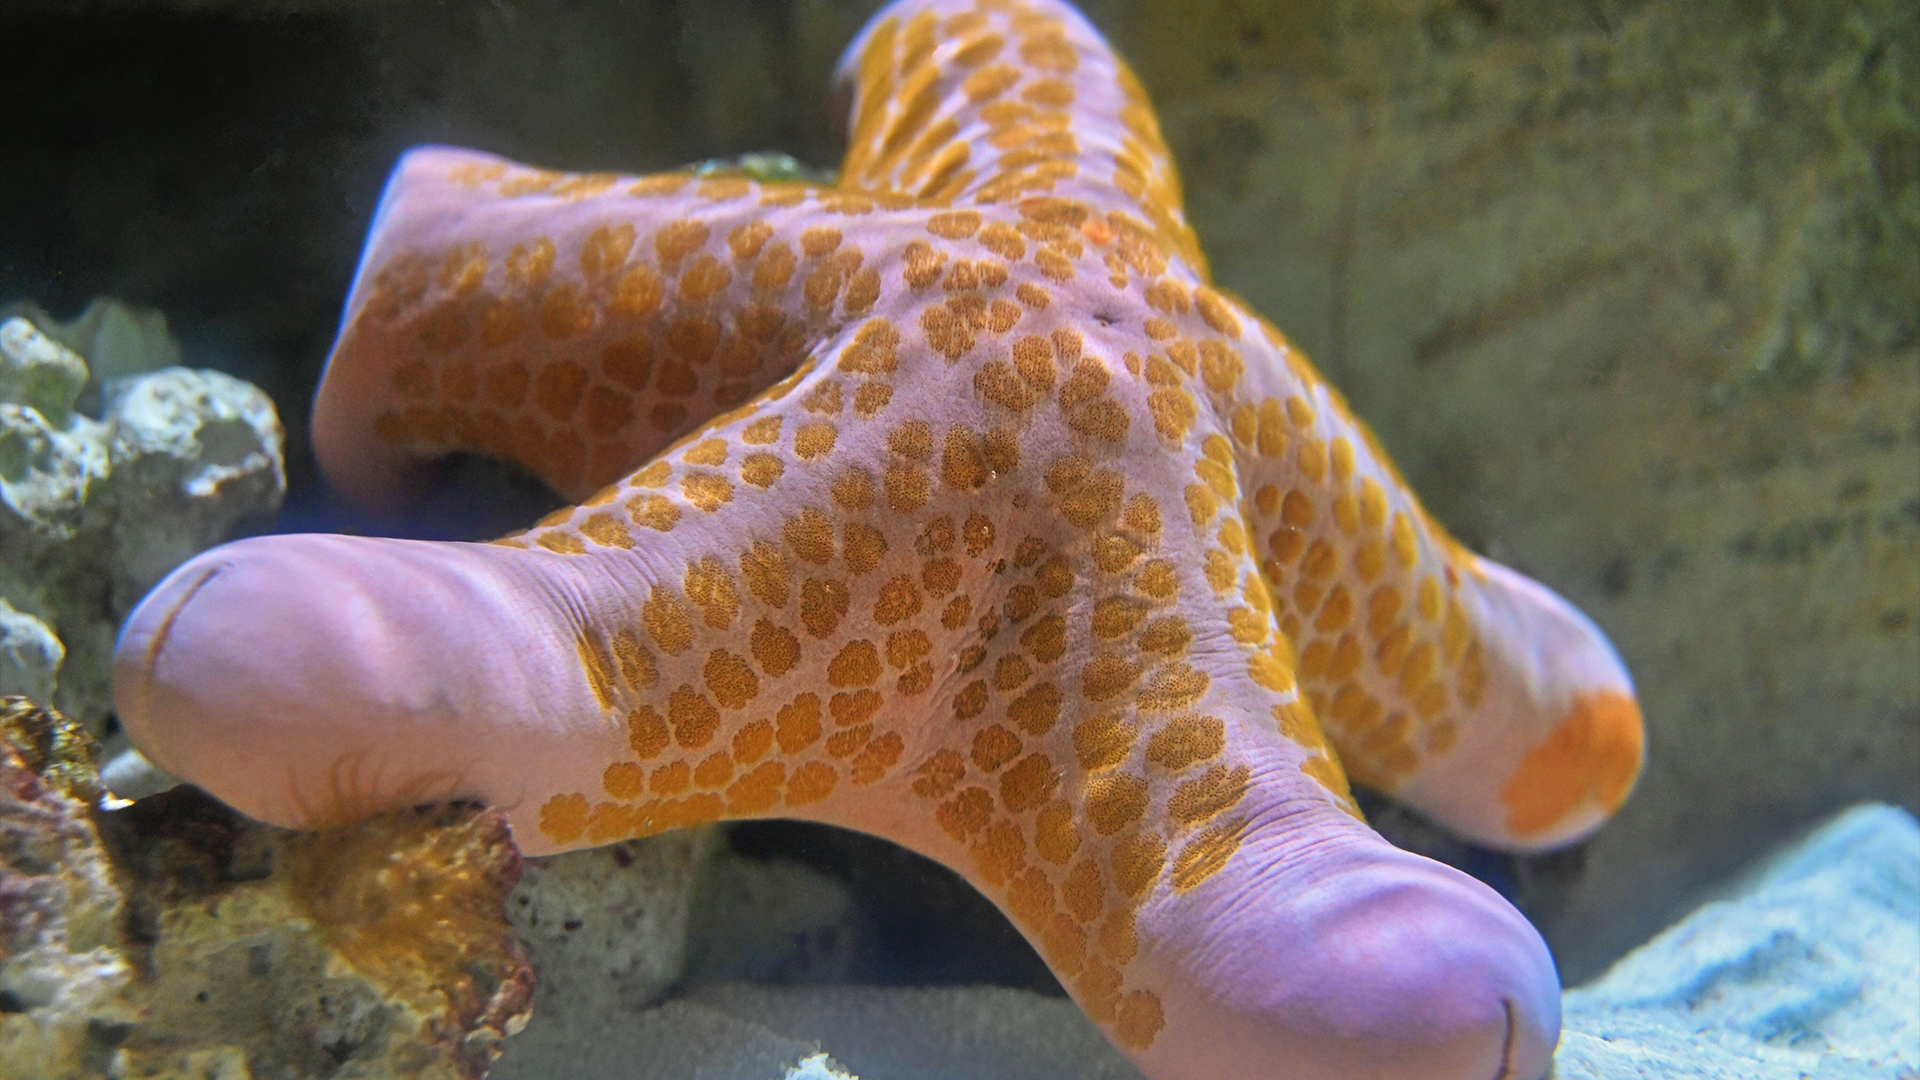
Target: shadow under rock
{"x":913,"y":921}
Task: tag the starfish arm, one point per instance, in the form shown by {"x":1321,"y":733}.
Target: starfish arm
{"x":1131,"y":772}
{"x":1463,"y":688}
{"x":988,"y":624}
{"x":978,"y":102}
{"x":572,"y":323}
{"x":311,"y":680}
{"x":618,"y":649}
{"x":1467,"y":690}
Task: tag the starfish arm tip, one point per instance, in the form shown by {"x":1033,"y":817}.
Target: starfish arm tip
{"x":309,"y":679}
{"x":1390,"y":965}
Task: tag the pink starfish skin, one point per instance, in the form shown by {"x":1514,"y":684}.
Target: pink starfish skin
{"x":952,"y":504}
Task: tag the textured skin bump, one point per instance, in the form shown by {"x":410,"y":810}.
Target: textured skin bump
{"x":953,"y":504}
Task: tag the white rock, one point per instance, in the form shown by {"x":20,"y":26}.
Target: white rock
{"x":47,"y":474}
{"x":39,"y":372}
{"x":817,"y":1067}
{"x":93,"y":512}
{"x":1809,"y":966}
{"x":192,"y":453}
{"x":29,"y":655}
{"x":606,"y":932}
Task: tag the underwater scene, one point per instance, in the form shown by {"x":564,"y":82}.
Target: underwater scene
{"x":960,"y":540}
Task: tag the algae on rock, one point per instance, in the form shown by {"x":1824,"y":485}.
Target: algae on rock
{"x":173,"y":939}
{"x":67,"y":993}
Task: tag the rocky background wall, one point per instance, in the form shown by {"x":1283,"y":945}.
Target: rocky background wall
{"x":1632,"y":290}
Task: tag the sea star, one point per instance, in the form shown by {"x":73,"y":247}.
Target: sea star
{"x":987,"y":525}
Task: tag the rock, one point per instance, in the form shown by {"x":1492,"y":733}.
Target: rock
{"x":38,"y":372}
{"x":116,"y":337}
{"x":192,"y":453}
{"x":770,"y":921}
{"x":58,"y":751}
{"x":817,"y":1067}
{"x":606,"y":929}
{"x":67,"y":994}
{"x":380,"y":948}
{"x":94,"y":511}
{"x":48,"y":472}
{"x":216,"y":1063}
{"x":127,"y":773}
{"x":175,"y":939}
{"x":1810,"y":966}
{"x":937,"y":1033}
{"x":29,"y":655}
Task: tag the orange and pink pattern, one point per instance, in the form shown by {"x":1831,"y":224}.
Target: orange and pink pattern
{"x":952,"y":503}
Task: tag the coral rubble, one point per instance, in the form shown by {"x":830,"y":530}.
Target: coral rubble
{"x":174,"y":938}
{"x":67,"y":988}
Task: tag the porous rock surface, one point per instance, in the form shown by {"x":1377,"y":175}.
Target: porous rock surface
{"x":1809,"y":967}
{"x":606,"y":929}
{"x":174,"y":940}
{"x":94,"y":510}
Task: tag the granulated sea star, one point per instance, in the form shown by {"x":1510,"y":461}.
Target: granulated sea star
{"x":987,"y":525}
